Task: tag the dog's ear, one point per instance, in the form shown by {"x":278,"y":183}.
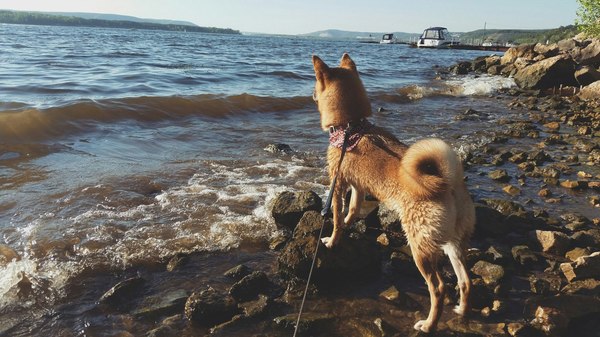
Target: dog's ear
{"x":347,"y":62}
{"x":321,"y":69}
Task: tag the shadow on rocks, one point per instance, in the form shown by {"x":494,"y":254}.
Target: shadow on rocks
{"x":355,"y":257}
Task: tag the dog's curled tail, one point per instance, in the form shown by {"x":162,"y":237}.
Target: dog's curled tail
{"x":429,"y":168}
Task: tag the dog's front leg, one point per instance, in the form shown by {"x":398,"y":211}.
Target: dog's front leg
{"x":337,"y":207}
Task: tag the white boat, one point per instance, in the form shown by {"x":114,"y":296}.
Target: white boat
{"x":388,"y":39}
{"x":436,"y":37}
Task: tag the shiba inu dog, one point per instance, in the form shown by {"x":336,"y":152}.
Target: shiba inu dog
{"x":423,"y":182}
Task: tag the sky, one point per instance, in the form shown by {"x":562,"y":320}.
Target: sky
{"x":306,"y":16}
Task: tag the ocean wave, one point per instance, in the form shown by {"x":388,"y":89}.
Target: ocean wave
{"x":457,"y":86}
{"x":478,"y":85}
{"x":221,"y":206}
{"x":19,"y":124}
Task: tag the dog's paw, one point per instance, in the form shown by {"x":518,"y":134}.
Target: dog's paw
{"x":327,"y":241}
{"x":423,"y":325}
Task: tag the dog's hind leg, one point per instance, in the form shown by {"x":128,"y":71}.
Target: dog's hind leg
{"x":337,"y":208}
{"x":457,"y":259}
{"x":428,"y":267}
{"x":356,"y":200}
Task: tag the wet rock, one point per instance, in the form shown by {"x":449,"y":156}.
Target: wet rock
{"x":545,"y":284}
{"x":310,"y":322}
{"x":177,"y":262}
{"x":518,"y":157}
{"x":499,"y":175}
{"x":390,"y":294}
{"x":524,"y":256}
{"x":539,"y":157}
{"x":522,"y":51}
{"x":587,"y":75}
{"x":403,"y":262}
{"x":547,"y":73}
{"x":495,"y":70}
{"x":388,"y":219}
{"x":552,"y":242}
{"x":584,"y":267}
{"x":492,"y":60}
{"x":491,"y":273}
{"x":163,"y":304}
{"x":279,"y":148}
{"x":209,"y":308}
{"x":7,"y":255}
{"x":122,"y":291}
{"x":462,"y":68}
{"x":576,"y":253}
{"x":592,"y":91}
{"x":552,"y":126}
{"x":511,"y":190}
{"x":587,"y":238}
{"x":589,"y":55}
{"x":255,"y":308}
{"x":550,"y":320}
{"x":518,"y":329}
{"x":238,"y":272}
{"x":250,"y":286}
{"x":354,"y":257}
{"x":588,"y":287}
{"x":570,"y":304}
{"x":24,"y":286}
{"x":505,"y":207}
{"x":162,"y":331}
{"x":545,"y":193}
{"x":479,"y":64}
{"x":470,"y":327}
{"x":573,"y":184}
{"x":547,"y":50}
{"x":546,"y":172}
{"x":289,"y":207}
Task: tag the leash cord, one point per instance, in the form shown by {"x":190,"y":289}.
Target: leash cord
{"x":324,"y":212}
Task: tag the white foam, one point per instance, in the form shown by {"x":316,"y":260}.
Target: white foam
{"x":216,"y":209}
{"x":471,"y":85}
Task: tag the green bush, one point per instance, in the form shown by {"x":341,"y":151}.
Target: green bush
{"x":588,"y":17}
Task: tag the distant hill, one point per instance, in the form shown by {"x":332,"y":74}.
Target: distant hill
{"x":117,"y":17}
{"x":39,"y":18}
{"x":342,"y":34}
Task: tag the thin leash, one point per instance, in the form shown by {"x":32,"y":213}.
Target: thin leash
{"x":324,"y":212}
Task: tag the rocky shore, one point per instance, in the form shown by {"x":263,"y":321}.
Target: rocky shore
{"x":534,"y":261}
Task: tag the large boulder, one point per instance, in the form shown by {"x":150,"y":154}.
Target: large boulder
{"x":354,"y":255}
{"x":525,"y":51}
{"x":250,"y":286}
{"x":589,"y":55}
{"x":590,"y":92}
{"x":289,"y":207}
{"x":549,"y":73}
{"x":552,"y":242}
{"x":584,"y":267}
{"x":587,"y":75}
{"x":566,"y":45}
{"x":547,"y":50}
{"x":209,"y":307}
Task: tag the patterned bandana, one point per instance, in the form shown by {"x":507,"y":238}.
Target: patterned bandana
{"x":336,"y":135}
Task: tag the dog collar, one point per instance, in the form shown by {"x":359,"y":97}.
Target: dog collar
{"x":336,"y":134}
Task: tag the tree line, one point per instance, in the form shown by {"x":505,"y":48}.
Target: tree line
{"x":31,"y":18}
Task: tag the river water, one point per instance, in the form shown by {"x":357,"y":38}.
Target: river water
{"x":121,"y":148}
